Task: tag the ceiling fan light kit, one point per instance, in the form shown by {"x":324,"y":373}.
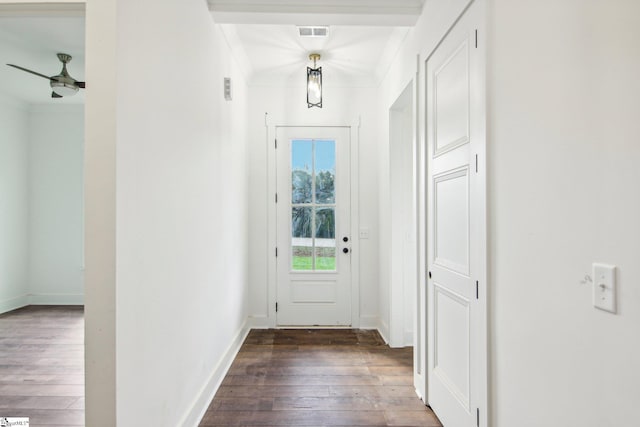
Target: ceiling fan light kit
{"x":62,"y":84}
{"x":63,"y":88}
{"x":314,"y":83}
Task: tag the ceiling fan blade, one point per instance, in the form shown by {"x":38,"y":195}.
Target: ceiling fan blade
{"x":80,"y":85}
{"x":55,"y":95}
{"x":29,"y":71}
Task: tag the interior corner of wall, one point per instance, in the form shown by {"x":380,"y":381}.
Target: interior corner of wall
{"x":14,"y":303}
{"x":258,"y":322}
{"x":383,"y":329}
{"x":408,"y":338}
{"x":369,"y":322}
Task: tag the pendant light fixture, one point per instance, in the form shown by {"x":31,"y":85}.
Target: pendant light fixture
{"x":314,"y":83}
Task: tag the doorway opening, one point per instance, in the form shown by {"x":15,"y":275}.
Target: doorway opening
{"x":402,"y":167}
{"x":42,"y":224}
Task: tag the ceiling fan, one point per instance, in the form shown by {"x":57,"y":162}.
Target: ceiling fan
{"x":62,"y":84}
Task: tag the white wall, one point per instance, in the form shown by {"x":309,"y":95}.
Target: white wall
{"x":41,"y":187}
{"x":56,"y":140}
{"x":287,"y":106}
{"x":14,"y":205}
{"x":100,"y":206}
{"x":563,"y":155}
{"x":563,"y":178}
{"x":166,"y":200}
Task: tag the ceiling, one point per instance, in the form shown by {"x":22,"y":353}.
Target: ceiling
{"x":364,"y":36}
{"x":32,"y":42}
{"x":355,"y":56}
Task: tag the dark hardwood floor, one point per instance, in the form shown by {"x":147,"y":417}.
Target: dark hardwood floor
{"x":318,"y":378}
{"x":279,"y":378}
{"x":42,"y":365}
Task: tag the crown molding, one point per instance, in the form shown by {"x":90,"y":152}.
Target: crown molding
{"x":33,"y":9}
{"x":310,"y":12}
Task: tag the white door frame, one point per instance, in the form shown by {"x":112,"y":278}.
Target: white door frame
{"x":425,"y":175}
{"x":271,"y":133}
{"x":419,"y":286}
{"x":402,"y":148}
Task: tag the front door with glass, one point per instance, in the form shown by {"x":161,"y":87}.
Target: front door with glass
{"x":313,"y":255}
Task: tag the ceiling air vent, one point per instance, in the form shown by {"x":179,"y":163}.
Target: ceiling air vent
{"x":313,"y":31}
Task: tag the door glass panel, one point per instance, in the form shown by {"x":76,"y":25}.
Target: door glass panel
{"x":313,"y":208}
{"x":325,"y":258}
{"x":325,"y":171}
{"x":301,"y":173}
{"x":302,"y":238}
{"x":325,"y":224}
{"x":325,"y":239}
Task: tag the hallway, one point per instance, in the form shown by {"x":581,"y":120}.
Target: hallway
{"x":492,"y":212}
{"x":303,"y":377}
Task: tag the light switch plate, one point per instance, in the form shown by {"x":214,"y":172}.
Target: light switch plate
{"x":604,"y":287}
{"x":364,"y":233}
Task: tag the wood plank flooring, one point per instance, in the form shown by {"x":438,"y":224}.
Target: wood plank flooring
{"x":42,"y":365}
{"x":279,"y":378}
{"x":318,"y":378}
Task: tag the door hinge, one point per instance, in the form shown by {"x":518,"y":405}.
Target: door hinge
{"x":476,"y":163}
{"x":276,"y":307}
{"x":476,"y":39}
{"x":477,"y":290}
{"x":276,"y":252}
{"x":478,"y":417}
{"x":276,"y":197}
{"x":276,"y":143}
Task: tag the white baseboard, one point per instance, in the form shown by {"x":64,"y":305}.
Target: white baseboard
{"x":208,"y":391}
{"x":263,"y":322}
{"x":14,"y":303}
{"x":56,"y":299}
{"x":408,"y":338}
{"x":383,"y":329}
{"x":258,"y":322}
{"x":369,"y":322}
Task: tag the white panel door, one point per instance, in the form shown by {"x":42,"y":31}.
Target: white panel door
{"x":313,"y":226}
{"x":456,"y":230}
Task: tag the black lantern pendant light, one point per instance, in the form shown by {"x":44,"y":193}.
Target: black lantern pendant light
{"x":314,"y":83}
